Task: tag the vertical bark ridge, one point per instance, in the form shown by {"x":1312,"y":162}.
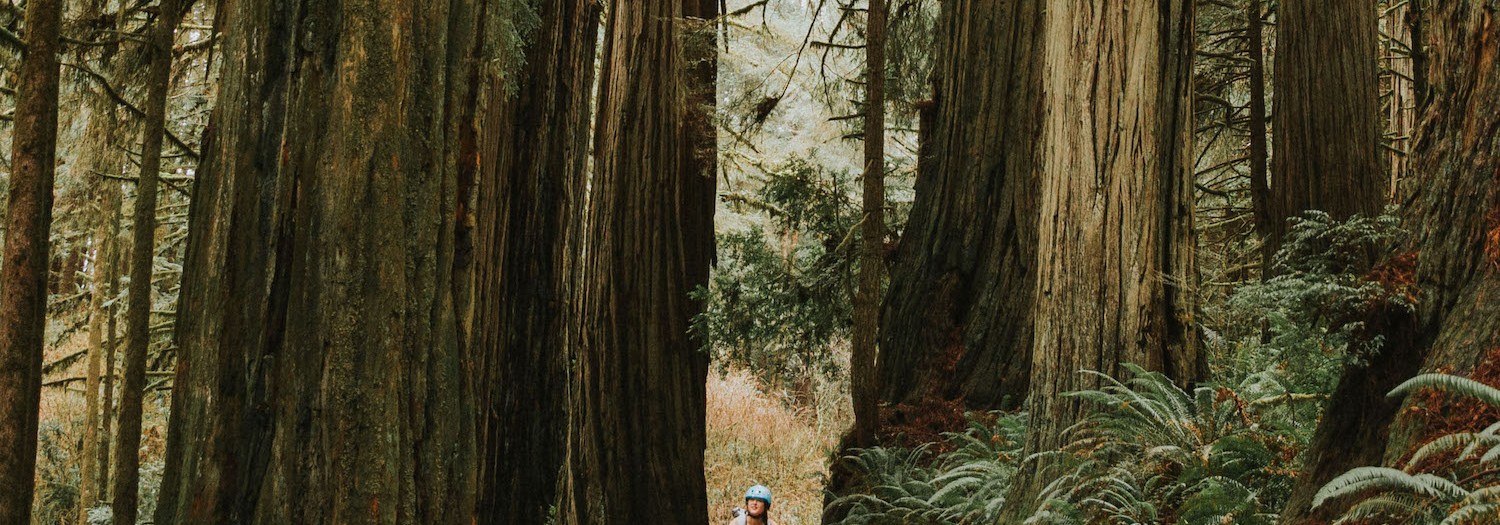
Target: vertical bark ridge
{"x":637,"y":423}
{"x":532,"y":164}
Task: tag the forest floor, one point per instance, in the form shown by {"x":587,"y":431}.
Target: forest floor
{"x":757,"y":438}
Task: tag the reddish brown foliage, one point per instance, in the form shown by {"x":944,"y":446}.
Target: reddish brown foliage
{"x":1444,"y":413}
{"x":923,"y":421}
{"x":1398,"y":274}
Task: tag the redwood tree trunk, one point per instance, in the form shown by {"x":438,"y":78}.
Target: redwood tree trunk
{"x":1455,"y":224}
{"x":1327,"y":142}
{"x":957,"y":317}
{"x":1327,"y":118}
{"x":321,"y":378}
{"x":23,"y":274}
{"x":862,"y":373}
{"x":534,"y":156}
{"x":1115,"y":260}
{"x":637,"y":419}
{"x":142,"y":256}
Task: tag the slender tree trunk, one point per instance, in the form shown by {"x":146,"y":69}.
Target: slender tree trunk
{"x":1115,"y":261}
{"x":90,"y":488}
{"x":111,"y":343}
{"x":863,"y":376}
{"x":143,"y":250}
{"x":534,"y":156}
{"x":1260,"y":190}
{"x":1453,"y":261}
{"x":321,"y":376}
{"x":957,"y":317}
{"x":1327,"y":118}
{"x":23,"y":274}
{"x":637,"y":420}
{"x":1401,"y":110}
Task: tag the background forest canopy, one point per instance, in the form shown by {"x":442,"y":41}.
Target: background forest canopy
{"x":903,"y":261}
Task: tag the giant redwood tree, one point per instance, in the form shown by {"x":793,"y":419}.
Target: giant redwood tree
{"x":533,"y":154}
{"x":1326,"y":139}
{"x":23,"y":274}
{"x":320,"y":377}
{"x":957,"y":318}
{"x":1452,"y":258}
{"x":638,"y":404}
{"x":1326,"y":145}
{"x":1115,"y":272}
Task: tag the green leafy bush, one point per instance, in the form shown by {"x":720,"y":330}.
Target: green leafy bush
{"x":779,"y":299}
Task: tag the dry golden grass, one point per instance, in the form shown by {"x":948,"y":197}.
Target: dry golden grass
{"x":755,"y":438}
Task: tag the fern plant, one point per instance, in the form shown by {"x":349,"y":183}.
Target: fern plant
{"x":1305,"y":321}
{"x":966,"y":485}
{"x":1452,"y":480}
{"x":1154,"y":453}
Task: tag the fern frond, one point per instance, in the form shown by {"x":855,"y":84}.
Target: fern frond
{"x":1450,"y":383}
{"x":1366,"y":478}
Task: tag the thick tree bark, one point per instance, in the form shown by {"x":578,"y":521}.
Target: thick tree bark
{"x":863,"y":383}
{"x":1115,"y":261}
{"x":321,"y":378}
{"x":533,"y":162}
{"x":23,"y":275}
{"x":1327,"y":142}
{"x":142,"y":256}
{"x":1455,"y":225}
{"x":1327,"y":117}
{"x":957,"y":317}
{"x":638,"y":407}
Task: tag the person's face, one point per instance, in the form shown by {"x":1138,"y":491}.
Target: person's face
{"x":756,"y":507}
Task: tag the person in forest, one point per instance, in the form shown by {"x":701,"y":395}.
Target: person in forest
{"x":757,"y":508}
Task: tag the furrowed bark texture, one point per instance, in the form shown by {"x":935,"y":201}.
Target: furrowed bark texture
{"x":1455,"y":225}
{"x":637,"y":420}
{"x":957,"y":317}
{"x":534,"y":156}
{"x":1327,"y":157}
{"x":1327,"y":116}
{"x":23,"y":275}
{"x":320,"y":378}
{"x":1115,"y":260}
{"x":142,"y":262}
{"x":863,"y":377}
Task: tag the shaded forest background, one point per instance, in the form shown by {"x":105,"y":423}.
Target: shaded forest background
{"x":904,"y":261}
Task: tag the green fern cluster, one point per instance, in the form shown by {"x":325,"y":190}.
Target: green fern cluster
{"x":1453,"y":480}
{"x":964,"y":486}
{"x":1154,"y":453}
{"x":1305,"y":321}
